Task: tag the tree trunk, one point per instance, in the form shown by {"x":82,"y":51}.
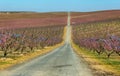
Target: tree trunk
{"x":5,"y":53}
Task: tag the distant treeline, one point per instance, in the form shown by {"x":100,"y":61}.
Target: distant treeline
{"x":17,"y":12}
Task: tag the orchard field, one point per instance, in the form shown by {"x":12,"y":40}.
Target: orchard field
{"x":21,"y":32}
{"x":25,"y":35}
{"x":85,"y":17}
{"x":26,"y":40}
{"x":101,"y":37}
{"x":97,"y":37}
{"x":22,"y":20}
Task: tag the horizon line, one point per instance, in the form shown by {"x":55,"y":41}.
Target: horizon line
{"x":54,"y":11}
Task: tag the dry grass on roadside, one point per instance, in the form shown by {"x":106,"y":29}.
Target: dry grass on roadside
{"x":100,"y":66}
{"x":8,"y":62}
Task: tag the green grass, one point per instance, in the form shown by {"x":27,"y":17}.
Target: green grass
{"x":4,"y":62}
{"x":103,"y":58}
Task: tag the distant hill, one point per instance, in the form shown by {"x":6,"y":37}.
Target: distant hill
{"x":84,"y":17}
{"x":35,"y":19}
{"x":17,"y":12}
{"x":22,"y":20}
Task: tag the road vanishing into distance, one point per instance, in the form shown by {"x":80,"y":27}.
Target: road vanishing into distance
{"x":62,"y":61}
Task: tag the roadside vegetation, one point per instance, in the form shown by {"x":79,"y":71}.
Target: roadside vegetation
{"x":99,"y":44}
{"x":18,"y":45}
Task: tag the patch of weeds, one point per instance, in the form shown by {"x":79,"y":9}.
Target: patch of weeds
{"x":3,"y":63}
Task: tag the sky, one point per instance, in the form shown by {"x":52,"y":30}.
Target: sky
{"x":59,"y":5}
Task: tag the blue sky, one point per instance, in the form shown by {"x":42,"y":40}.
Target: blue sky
{"x":58,"y":5}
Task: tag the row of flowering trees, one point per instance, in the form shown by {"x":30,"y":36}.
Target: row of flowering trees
{"x":101,"y":37}
{"x":19,"y":40}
